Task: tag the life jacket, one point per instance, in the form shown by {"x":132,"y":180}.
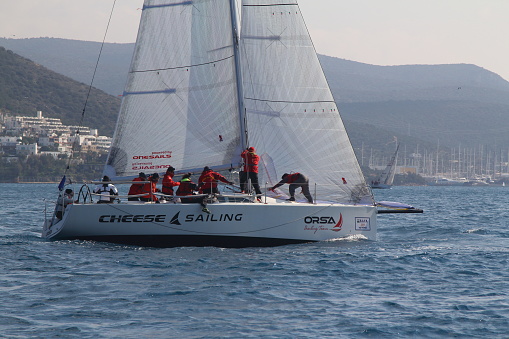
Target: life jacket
{"x":186,"y":187}
{"x":251,"y":160}
{"x":105,"y":190}
{"x":168,"y":184}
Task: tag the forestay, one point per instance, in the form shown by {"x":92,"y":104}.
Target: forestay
{"x":180,"y":105}
{"x":290,"y":112}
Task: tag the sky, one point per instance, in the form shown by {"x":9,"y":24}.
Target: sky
{"x":378,"y":32}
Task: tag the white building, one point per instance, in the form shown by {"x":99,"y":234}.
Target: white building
{"x":9,"y":141}
{"x":30,"y":149}
{"x":48,"y":140}
{"x":50,"y":132}
{"x":53,"y":154}
{"x":40,"y":124}
{"x":94,"y":142}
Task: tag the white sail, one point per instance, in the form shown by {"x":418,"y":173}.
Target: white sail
{"x":390,"y":170}
{"x":290,"y":111}
{"x":387,"y":177}
{"x":180,"y":105}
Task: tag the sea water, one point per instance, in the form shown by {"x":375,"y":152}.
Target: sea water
{"x":443,"y":273}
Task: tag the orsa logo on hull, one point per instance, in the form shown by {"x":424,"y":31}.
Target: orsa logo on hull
{"x":322,"y":223}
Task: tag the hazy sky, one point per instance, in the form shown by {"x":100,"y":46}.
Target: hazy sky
{"x":379,"y":32}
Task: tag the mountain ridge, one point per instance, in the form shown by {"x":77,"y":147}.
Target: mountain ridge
{"x":447,"y":104}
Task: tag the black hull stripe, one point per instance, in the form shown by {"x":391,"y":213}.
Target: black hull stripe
{"x":166,"y":241}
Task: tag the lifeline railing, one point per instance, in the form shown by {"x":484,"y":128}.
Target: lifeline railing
{"x":236,"y":196}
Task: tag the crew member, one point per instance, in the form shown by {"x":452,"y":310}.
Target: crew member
{"x":137,"y":189}
{"x":187,"y":187}
{"x":208,"y":181}
{"x":250,"y":170}
{"x":150,"y":188}
{"x":295,"y":180}
{"x":63,"y":200}
{"x":107,"y":191}
{"x":168,"y":182}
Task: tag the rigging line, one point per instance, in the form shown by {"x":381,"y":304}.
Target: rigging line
{"x":179,"y":67}
{"x":89,"y":90}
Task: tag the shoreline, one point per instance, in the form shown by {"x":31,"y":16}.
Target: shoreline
{"x":29,"y":182}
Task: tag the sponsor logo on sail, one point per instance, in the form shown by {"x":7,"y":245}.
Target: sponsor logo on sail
{"x":154,"y":155}
{"x":138,"y":164}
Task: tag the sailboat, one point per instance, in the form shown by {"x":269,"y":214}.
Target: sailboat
{"x":386,"y":179}
{"x":200,"y":90}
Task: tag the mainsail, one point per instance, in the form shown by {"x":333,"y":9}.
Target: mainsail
{"x":290,"y":111}
{"x":180,"y":105}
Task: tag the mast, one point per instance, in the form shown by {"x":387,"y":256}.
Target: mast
{"x":238,"y":74}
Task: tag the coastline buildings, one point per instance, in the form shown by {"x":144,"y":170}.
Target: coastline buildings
{"x":25,"y":135}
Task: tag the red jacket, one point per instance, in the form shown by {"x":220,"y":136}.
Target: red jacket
{"x":208,"y":179}
{"x":288,"y":179}
{"x":136,"y":188}
{"x":168,"y":183}
{"x":251,"y":160}
{"x":150,"y":188}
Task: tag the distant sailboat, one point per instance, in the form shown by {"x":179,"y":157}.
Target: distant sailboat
{"x":386,"y":179}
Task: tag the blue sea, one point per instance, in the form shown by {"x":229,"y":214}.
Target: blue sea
{"x":441,"y":274}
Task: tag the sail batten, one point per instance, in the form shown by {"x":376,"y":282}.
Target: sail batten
{"x":270,"y":5}
{"x":293,"y":102}
{"x":177,"y":67}
{"x":182,"y":3}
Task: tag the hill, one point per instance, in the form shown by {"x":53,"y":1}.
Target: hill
{"x":458,"y":104}
{"x":77,"y":59}
{"x":27,"y":87}
{"x":454,"y":104}
{"x":358,"y":82}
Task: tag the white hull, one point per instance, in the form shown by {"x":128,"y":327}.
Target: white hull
{"x":228,"y":225}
